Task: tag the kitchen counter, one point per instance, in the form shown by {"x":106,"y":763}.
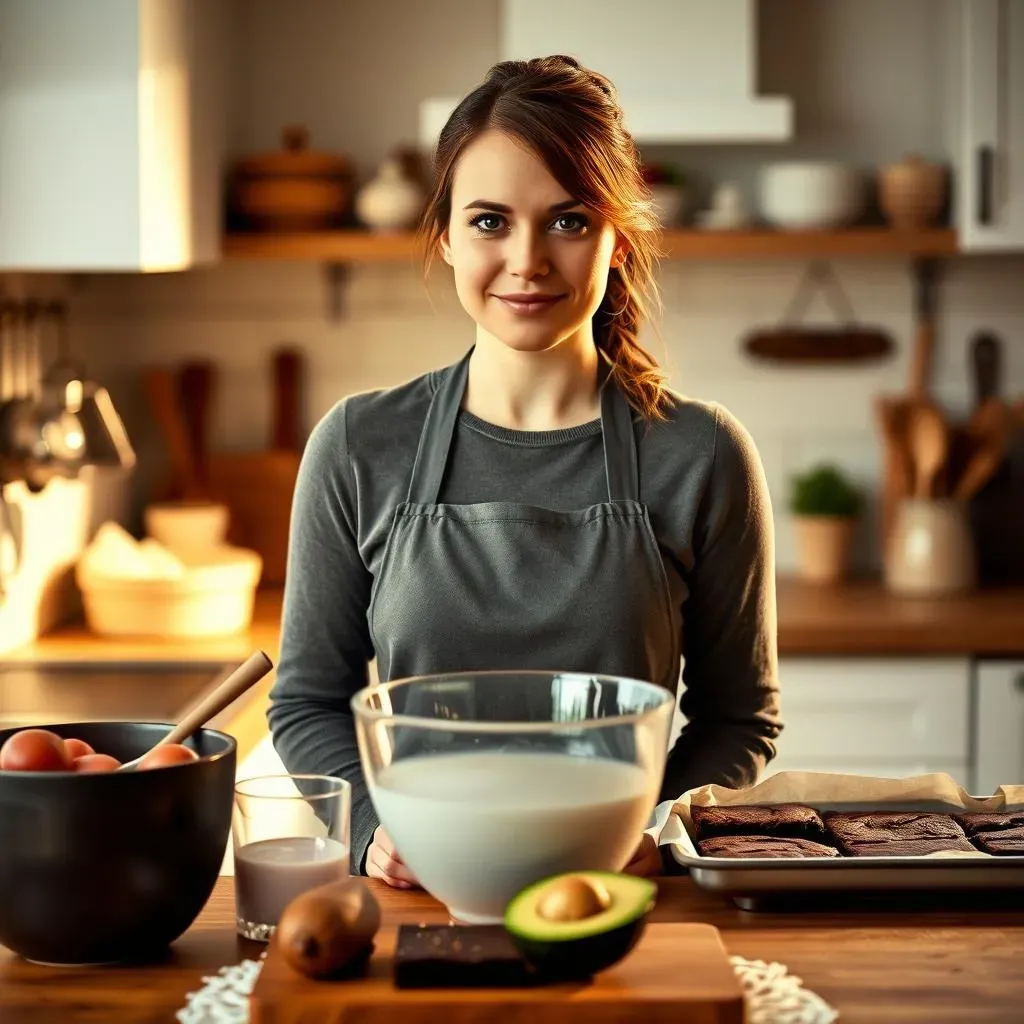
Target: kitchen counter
{"x":855,"y":619}
{"x":926,"y":966}
{"x":861,"y":617}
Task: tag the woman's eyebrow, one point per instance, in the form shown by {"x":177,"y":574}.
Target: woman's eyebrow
{"x":486,"y":204}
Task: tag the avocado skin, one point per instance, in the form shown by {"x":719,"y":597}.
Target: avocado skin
{"x":579,"y":959}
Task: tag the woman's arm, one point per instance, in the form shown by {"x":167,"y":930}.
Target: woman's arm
{"x":325,"y":643}
{"x":730,"y":659}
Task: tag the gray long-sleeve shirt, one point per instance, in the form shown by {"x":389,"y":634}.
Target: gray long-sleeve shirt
{"x":703,"y":483}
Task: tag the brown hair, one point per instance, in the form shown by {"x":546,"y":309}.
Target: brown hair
{"x":570,"y":117}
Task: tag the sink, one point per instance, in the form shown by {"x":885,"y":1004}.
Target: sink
{"x":40,"y":692}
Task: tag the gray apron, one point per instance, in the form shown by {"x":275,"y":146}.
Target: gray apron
{"x":506,"y":585}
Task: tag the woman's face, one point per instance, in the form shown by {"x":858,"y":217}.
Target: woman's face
{"x":531,"y":263}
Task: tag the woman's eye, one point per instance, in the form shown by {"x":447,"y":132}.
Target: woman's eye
{"x":571,"y":224}
{"x":486,"y":223}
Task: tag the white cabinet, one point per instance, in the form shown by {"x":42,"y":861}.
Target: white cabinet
{"x":890,"y":717}
{"x":111,"y":133}
{"x":990,"y":178}
{"x":999,"y":739}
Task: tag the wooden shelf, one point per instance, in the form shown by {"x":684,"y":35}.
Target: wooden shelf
{"x":363,"y":247}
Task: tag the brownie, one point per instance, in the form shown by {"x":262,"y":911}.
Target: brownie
{"x":458,"y":956}
{"x":895,"y":834}
{"x":1001,"y":834}
{"x":763,"y":846}
{"x":780,"y":820}
{"x":990,"y":821}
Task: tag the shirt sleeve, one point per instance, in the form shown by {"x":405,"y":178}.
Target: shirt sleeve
{"x":325,"y":643}
{"x":730,"y":694}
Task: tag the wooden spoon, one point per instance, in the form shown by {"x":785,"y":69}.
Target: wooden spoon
{"x":980,"y":469}
{"x":929,"y":442}
{"x":250,"y":672}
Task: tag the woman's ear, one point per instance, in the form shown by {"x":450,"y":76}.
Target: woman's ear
{"x":444,"y":247}
{"x":620,"y":252}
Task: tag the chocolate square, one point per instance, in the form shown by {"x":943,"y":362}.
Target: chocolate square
{"x":458,"y":956}
{"x":895,"y":834}
{"x":781,"y":820}
{"x":1001,"y":834}
{"x":991,"y":821}
{"x":763,"y":846}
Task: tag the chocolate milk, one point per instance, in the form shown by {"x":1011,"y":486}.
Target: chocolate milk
{"x":271,"y":873}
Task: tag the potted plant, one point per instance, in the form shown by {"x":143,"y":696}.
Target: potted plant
{"x":825,"y":506}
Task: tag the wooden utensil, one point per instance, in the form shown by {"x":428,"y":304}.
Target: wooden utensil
{"x":250,"y":672}
{"x":258,"y":486}
{"x":677,"y":972}
{"x":981,"y":467}
{"x":926,"y":273}
{"x":892,"y":414}
{"x":162,"y":394}
{"x":196,"y":382}
{"x":929,"y":444}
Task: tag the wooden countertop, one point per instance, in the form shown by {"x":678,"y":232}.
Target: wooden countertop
{"x":856,"y":618}
{"x":862,"y":618}
{"x":872,"y":966}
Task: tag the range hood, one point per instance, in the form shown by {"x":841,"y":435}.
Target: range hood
{"x":684,"y":69}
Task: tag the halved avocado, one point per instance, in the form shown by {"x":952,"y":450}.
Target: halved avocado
{"x":571,"y":926}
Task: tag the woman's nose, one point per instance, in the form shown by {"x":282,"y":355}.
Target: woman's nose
{"x":526,"y":255}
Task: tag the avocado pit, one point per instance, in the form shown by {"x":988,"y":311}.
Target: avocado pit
{"x":573,"y":898}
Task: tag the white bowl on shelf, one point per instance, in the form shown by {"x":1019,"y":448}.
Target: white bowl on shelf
{"x":213,"y":596}
{"x":809,"y":195}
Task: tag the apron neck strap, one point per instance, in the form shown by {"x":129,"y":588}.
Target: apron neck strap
{"x":620,"y":456}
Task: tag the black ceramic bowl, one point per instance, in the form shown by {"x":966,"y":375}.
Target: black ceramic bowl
{"x":112,"y":867}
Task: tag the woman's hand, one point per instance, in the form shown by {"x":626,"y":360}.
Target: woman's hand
{"x":384,"y":862}
{"x":646,"y":860}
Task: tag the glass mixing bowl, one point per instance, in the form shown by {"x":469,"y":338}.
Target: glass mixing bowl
{"x":490,"y":781}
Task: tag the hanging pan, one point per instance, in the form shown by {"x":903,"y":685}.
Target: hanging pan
{"x":795,"y":342}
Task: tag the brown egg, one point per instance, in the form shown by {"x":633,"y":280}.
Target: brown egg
{"x":34,"y":750}
{"x":77,"y":748}
{"x":573,"y":898}
{"x":96,"y":763}
{"x":172,"y":753}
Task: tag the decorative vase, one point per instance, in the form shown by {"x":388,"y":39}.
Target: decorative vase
{"x":390,"y":201}
{"x":823,"y":547}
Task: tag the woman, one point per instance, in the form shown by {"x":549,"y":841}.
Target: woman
{"x":541,"y":212}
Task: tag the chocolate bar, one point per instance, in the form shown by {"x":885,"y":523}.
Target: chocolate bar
{"x":762,"y":846}
{"x":458,"y":956}
{"x":782,"y":820}
{"x":896,"y":834}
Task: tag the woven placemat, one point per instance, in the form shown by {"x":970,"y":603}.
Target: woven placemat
{"x":773,"y":995}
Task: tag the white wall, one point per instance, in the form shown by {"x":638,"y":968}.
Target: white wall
{"x":867,"y":82}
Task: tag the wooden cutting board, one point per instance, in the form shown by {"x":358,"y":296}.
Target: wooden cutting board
{"x":677,"y":974}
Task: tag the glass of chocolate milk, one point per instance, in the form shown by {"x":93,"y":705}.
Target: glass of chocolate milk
{"x":289,"y":833}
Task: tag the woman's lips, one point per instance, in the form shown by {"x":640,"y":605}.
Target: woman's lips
{"x":529,"y":305}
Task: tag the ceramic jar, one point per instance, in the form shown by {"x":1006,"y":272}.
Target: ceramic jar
{"x":912,"y":192}
{"x":931,"y":550}
{"x":390,"y":201}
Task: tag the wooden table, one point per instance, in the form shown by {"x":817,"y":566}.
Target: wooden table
{"x":884,"y":967}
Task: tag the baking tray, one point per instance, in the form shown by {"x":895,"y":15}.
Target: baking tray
{"x":757,"y":882}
